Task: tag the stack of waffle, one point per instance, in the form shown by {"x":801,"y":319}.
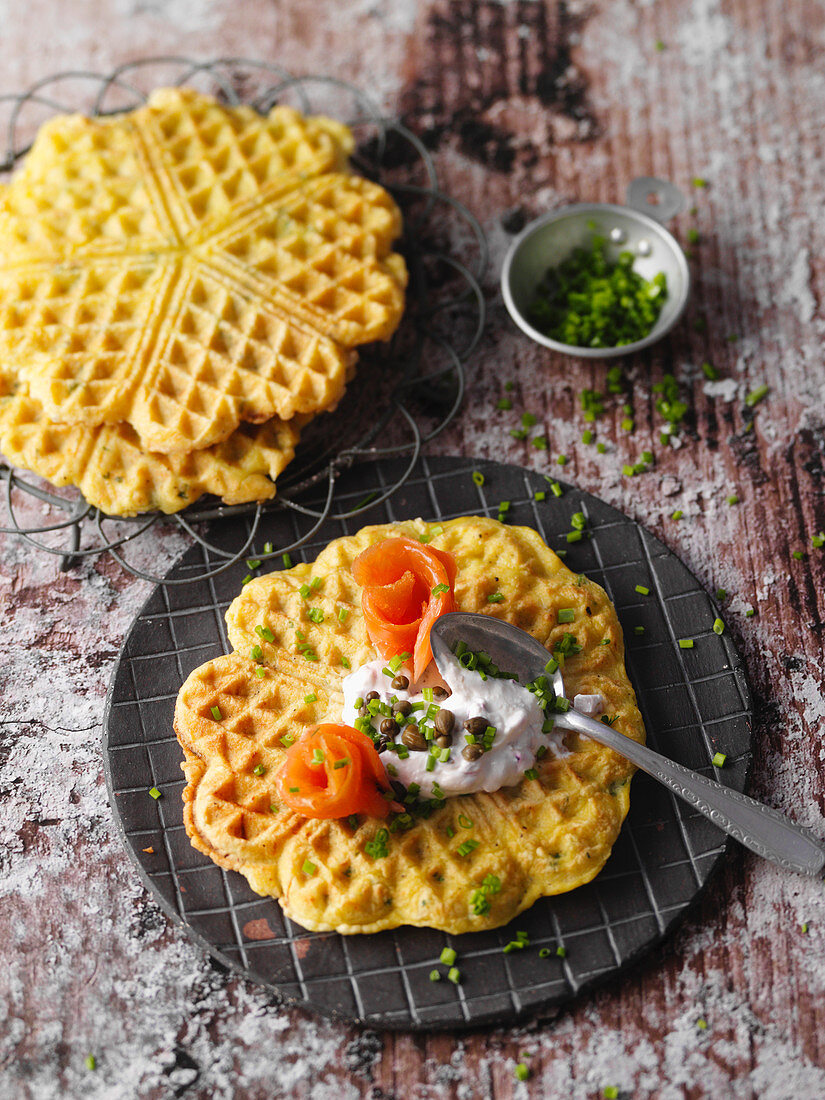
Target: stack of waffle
{"x":181,"y":289}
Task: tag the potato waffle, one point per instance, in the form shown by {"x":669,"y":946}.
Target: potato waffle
{"x":187,"y":267}
{"x":543,"y":836}
{"x":116,"y":475}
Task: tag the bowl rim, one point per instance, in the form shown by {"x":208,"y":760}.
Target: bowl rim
{"x":572,"y":349}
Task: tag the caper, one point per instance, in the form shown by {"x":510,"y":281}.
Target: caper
{"x":444,"y":741}
{"x":413,"y":739}
{"x":368,"y":698}
{"x":363,"y":712}
{"x":440,"y":692}
{"x":472,"y":752}
{"x":400,"y":683}
{"x":382,"y":742}
{"x":476,"y":726}
{"x":403,"y":706}
{"x":389,"y":726}
{"x":444,"y":721}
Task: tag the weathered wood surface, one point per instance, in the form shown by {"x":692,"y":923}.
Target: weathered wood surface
{"x":527,"y":106}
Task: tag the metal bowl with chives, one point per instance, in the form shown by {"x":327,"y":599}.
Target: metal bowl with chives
{"x":637,"y":229}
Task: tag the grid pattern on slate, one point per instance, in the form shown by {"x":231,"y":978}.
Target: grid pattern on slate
{"x":694,"y":702}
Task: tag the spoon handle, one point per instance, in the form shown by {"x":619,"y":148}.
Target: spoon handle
{"x":764,"y":830}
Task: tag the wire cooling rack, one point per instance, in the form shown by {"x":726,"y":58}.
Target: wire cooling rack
{"x":407,"y":391}
{"x":694,"y":702}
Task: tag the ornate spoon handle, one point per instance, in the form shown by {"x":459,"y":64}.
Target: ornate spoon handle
{"x":765,"y":831}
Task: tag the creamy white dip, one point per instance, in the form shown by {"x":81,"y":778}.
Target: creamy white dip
{"x":507,"y":706}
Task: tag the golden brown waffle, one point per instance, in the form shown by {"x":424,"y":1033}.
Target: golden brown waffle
{"x":187,"y":266}
{"x":544,"y":836}
{"x":114,"y":474}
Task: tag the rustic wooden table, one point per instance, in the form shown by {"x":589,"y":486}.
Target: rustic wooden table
{"x":526,"y":106}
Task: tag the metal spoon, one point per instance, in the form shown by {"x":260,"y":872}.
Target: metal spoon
{"x":765,"y":831}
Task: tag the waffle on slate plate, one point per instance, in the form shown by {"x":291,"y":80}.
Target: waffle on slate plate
{"x":544,"y":836}
{"x":172,"y":273}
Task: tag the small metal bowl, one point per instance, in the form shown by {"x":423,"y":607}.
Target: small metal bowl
{"x":637,"y":228}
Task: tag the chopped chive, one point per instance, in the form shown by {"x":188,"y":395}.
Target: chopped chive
{"x":268,"y":548}
{"x":721,"y":594}
{"x":702,"y":1024}
{"x":710,"y":371}
{"x":367,"y":500}
{"x":260,"y":673}
{"x":804,"y":927}
{"x":504,"y":506}
{"x":287,"y":740}
{"x":155,"y":793}
{"x":447,"y":956}
{"x":561,"y":461}
{"x":566,"y":615}
{"x":439,"y":588}
{"x":317,"y":756}
{"x":287,"y":560}
{"x":574,"y":536}
{"x":465,"y":822}
{"x":496,"y":597}
{"x":531,"y":773}
{"x":627,"y":424}
{"x":259,"y":769}
{"x":90,"y":1062}
{"x":522,"y":1071}
{"x":733,"y":499}
{"x":454,"y":975}
{"x":253,"y":563}
{"x":628,"y":470}
{"x":798,"y":555}
{"x":718,"y":626}
{"x":343,"y":614}
{"x":587,"y":436}
{"x":435,"y":976}
{"x":256,"y":653}
{"x":518,"y":433}
{"x":504,"y":403}
{"x":693,"y":235}
{"x":719,"y":759}
{"x":528,"y":420}
{"x":544,"y":953}
{"x":757,"y":395}
{"x":467,"y":846}
{"x":561,"y":951}
{"x":478,"y":478}
{"x":642,"y":590}
{"x":308,"y":867}
{"x":311,"y":698}
{"x":216,"y":714}
{"x":698,"y":181}
{"x":818,"y":541}
{"x":638,"y":630}
{"x":686,"y":643}
{"x":430,"y":765}
{"x":541,"y":495}
{"x":246,"y":579}
{"x":345,"y":661}
{"x":601,"y":448}
{"x":751,"y":611}
{"x":342,"y":763}
{"x":677,"y":514}
{"x":509,"y":386}
{"x":610,"y":1092}
{"x":578,"y":521}
{"x":540,"y":443}
{"x":556,"y":489}
{"x":315,"y":614}
{"x":304,"y":591}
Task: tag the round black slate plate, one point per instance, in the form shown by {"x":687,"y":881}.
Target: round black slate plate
{"x":694,"y":702}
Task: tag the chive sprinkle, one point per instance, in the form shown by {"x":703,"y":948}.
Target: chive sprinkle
{"x":454,"y":975}
{"x":677,"y":514}
{"x":818,"y":541}
{"x":540,"y":443}
{"x":541,"y":495}
{"x":311,"y":698}
{"x":90,"y":1061}
{"x":504,"y":403}
{"x":561,"y":952}
{"x":719,"y":759}
{"x":562,"y":460}
{"x":439,"y":588}
{"x":522,"y":1071}
{"x":702,"y":1024}
{"x":287,"y":560}
{"x":601,"y":448}
{"x":528,"y":420}
{"x":435,"y":976}
{"x":496,"y":597}
{"x":718,"y":626}
{"x":259,"y":769}
{"x":610,"y":1092}
{"x":556,"y":489}
{"x":721,"y":594}
{"x":587,"y":436}
{"x":216,"y":714}
{"x":155,"y":793}
{"x":447,"y":956}
{"x":757,"y":395}
{"x":544,"y":953}
{"x":733,"y":499}
{"x":478,"y":478}
{"x":246,"y":579}
{"x":751,"y":611}
{"x":710,"y":371}
{"x":309,"y":867}
{"x":566,"y":615}
{"x":642,"y":590}
{"x":686,"y":643}
{"x":798,"y":555}
{"x":638,"y":630}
